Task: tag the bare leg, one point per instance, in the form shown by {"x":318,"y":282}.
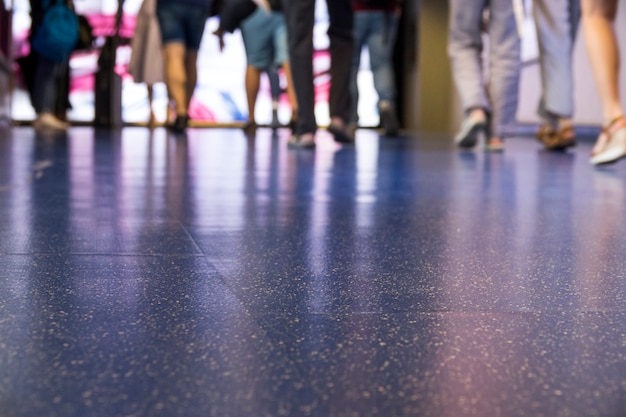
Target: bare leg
{"x":253,"y":82}
{"x":598,"y":19}
{"x":176,"y":76}
{"x":191,"y":69}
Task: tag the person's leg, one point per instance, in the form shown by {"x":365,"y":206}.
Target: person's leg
{"x":504,"y":70}
{"x":152,"y":119}
{"x":176,"y":75}
{"x":557,"y":23}
{"x":556,"y":28}
{"x":603,"y":50}
{"x":253,"y":82}
{"x":602,"y":47}
{"x":274,"y":80}
{"x":191,"y":72}
{"x":299,"y":16}
{"x":341,"y":37}
{"x":281,"y":59}
{"x":381,"y":45}
{"x":194,"y":20}
{"x":44,"y":97}
{"x":465,"y":48}
{"x":44,"y":85}
{"x":361,"y":25}
{"x":291,"y":93}
{"x":257,"y":32}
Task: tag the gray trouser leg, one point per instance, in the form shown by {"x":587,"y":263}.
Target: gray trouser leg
{"x":557,"y":24}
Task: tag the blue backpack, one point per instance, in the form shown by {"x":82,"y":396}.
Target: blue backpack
{"x":57,"y":35}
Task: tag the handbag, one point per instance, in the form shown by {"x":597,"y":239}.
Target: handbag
{"x":57,"y":35}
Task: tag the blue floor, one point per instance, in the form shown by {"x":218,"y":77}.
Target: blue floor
{"x":218,"y":275}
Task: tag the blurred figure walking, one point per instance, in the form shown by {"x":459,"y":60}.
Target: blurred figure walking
{"x":376,"y":26}
{"x":182,"y":26}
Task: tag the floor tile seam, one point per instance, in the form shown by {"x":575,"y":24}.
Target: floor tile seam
{"x":198,"y":248}
{"x":483,"y":313}
{"x":100,"y":254}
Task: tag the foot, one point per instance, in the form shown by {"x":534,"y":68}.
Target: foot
{"x":180,"y":124}
{"x":250,"y":128}
{"x":388,"y":118}
{"x":494,"y":145}
{"x":557,"y":138}
{"x":340,"y":131}
{"x":473,"y":129}
{"x":614,"y":137}
{"x":49,"y":122}
{"x":603,"y":139}
{"x":304,"y":141}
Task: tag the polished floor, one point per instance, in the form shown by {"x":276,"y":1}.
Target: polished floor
{"x":218,"y":275}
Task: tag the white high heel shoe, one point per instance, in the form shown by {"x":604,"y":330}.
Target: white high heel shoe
{"x":615,"y":148}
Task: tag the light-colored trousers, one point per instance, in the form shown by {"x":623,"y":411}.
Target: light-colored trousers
{"x":557,"y":24}
{"x":490,"y":82}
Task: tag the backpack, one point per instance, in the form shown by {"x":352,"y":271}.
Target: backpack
{"x":57,"y":35}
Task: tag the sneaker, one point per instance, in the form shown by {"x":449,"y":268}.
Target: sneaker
{"x":473,"y":129}
{"x":48,"y":121}
{"x":305,"y":141}
{"x":388,"y":118}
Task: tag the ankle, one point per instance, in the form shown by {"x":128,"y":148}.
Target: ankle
{"x":477,"y":113}
{"x":614,"y":124}
{"x":337,"y":121}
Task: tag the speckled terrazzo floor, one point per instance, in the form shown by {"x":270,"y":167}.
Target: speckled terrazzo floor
{"x":143,"y":275}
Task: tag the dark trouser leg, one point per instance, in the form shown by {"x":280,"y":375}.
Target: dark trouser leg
{"x":340,"y":33}
{"x":44,"y":89}
{"x":300,"y":16}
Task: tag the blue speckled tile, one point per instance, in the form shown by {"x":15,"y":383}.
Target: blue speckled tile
{"x":461,"y":364}
{"x":103,"y":336}
{"x":219,"y":275}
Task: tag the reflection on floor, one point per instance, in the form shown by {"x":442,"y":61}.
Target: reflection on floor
{"x":220,"y":275}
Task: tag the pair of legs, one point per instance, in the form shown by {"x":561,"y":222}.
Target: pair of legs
{"x":265,"y":39}
{"x":300,"y":18}
{"x":182,"y":26}
{"x":493,"y":102}
{"x":253,"y":83}
{"x":557,"y":25}
{"x":377,"y":30}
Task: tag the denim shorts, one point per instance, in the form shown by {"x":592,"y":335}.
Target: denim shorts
{"x":182,"y":23}
{"x":265,"y":39}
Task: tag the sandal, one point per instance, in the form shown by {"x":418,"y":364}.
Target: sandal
{"x":603,"y":139}
{"x":557,"y":140}
{"x":611,"y":144}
